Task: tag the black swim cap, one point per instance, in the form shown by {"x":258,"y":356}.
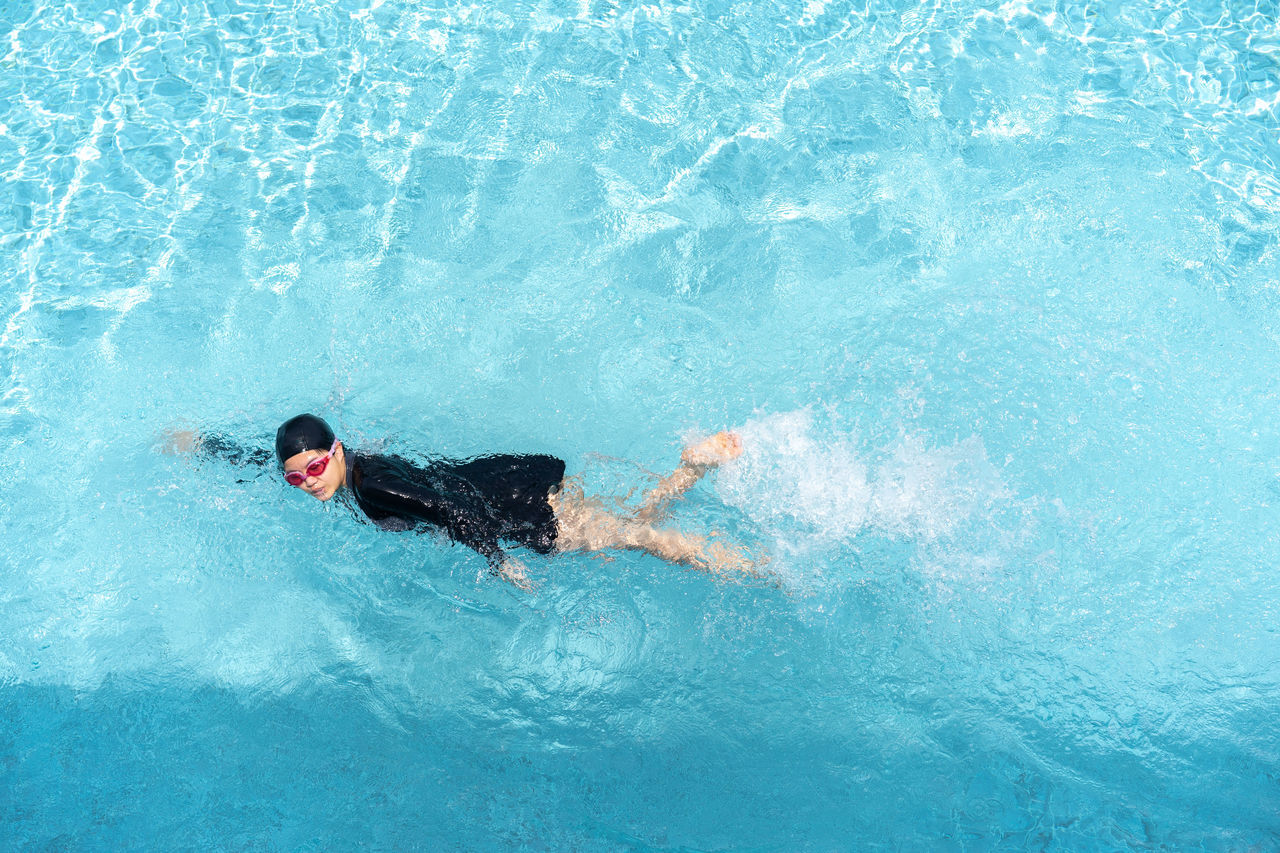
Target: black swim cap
{"x":300,"y":434}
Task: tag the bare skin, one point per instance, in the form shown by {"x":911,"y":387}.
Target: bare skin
{"x":328,"y":484}
{"x":695,"y":461}
{"x":583,"y":524}
{"x":175,"y":441}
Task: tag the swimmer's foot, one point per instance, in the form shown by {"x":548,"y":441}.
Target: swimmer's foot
{"x":727,"y":560}
{"x":713,"y":451}
{"x":696,"y":460}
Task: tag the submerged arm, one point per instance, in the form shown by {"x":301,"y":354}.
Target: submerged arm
{"x":512,"y":571}
{"x":177,"y":442}
{"x":228,"y":450}
{"x":463,"y":515}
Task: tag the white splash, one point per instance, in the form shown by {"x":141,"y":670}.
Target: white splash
{"x":810,"y":492}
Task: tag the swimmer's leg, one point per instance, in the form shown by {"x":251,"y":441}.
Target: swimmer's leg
{"x":584,"y":526}
{"x":696,"y":460}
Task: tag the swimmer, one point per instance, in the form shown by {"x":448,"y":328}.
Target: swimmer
{"x":482,"y":503}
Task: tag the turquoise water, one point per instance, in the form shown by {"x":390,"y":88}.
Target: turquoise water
{"x":990,"y":291}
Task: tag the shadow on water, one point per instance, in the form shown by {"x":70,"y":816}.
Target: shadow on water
{"x":158,"y":767}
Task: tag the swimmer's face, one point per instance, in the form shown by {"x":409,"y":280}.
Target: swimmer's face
{"x":325,"y":485}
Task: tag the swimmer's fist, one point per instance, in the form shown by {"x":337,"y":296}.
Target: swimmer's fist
{"x":713,"y":451}
{"x":513,"y":571}
{"x":175,"y":441}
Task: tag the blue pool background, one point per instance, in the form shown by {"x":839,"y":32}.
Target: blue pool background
{"x":991,"y":291}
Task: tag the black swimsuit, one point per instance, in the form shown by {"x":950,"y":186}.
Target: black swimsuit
{"x":478,"y":503}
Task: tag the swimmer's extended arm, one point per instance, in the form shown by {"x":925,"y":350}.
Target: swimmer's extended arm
{"x":229,"y":451}
{"x":176,"y":442}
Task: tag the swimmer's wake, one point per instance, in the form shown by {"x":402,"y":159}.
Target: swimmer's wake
{"x":809,"y":492}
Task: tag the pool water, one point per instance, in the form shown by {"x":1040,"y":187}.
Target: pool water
{"x":991,"y":291}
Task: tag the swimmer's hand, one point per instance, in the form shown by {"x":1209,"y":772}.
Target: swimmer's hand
{"x":713,"y":451}
{"x":513,"y":571}
{"x":176,"y":441}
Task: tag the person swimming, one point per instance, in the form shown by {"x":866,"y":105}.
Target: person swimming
{"x":523,"y":500}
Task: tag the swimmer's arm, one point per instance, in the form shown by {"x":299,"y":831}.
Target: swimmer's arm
{"x":176,"y":442}
{"x":500,"y":565}
{"x":229,"y":451}
{"x":410,"y":500}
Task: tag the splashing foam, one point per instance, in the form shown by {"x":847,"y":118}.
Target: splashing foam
{"x":813,"y":492}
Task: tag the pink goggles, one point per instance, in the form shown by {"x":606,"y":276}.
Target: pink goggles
{"x":314,"y":468}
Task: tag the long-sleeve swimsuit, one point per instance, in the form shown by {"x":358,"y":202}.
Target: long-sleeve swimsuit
{"x":479,"y":502}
